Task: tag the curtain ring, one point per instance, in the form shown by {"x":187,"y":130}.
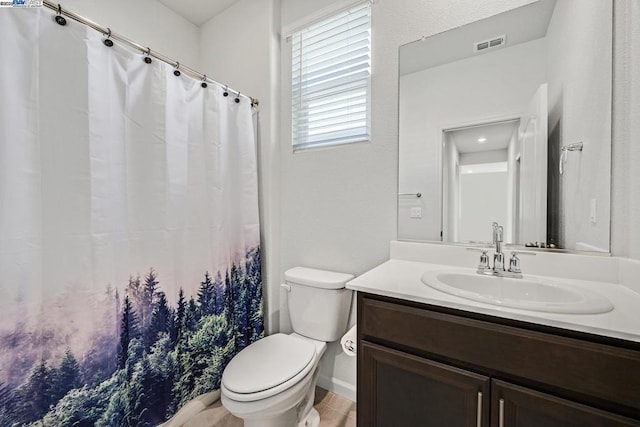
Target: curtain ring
{"x":237,"y":98}
{"x":176,"y":72}
{"x":108,"y":42}
{"x":147,"y":58}
{"x":59,"y":18}
{"x":226,"y":91}
{"x":204,"y":81}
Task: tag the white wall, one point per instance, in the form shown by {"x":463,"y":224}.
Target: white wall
{"x":240,"y":47}
{"x":483,"y":200}
{"x":494,"y":85}
{"x":339,"y":204}
{"x":579,"y":110}
{"x":336,"y":208}
{"x":533,"y":136}
{"x":625,"y":239}
{"x":450,"y":191}
{"x":513,"y":149}
{"x":350,"y":192}
{"x":147,"y":22}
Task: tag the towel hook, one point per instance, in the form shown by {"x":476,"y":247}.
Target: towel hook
{"x":573,"y":147}
{"x":562,"y":166}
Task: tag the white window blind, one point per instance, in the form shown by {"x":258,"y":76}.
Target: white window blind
{"x":331,"y":68}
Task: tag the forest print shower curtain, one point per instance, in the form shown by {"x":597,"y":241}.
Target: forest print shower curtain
{"x":129,"y":236}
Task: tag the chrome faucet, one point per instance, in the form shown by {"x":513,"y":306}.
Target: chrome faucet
{"x":498,"y":268}
{"x":498,"y":257}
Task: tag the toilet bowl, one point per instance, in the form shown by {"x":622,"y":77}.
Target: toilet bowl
{"x":271,"y":383}
{"x":267,"y":385}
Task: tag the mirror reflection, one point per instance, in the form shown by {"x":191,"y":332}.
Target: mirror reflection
{"x":508,"y":120}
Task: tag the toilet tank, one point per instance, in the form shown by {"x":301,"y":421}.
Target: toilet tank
{"x":319,"y":304}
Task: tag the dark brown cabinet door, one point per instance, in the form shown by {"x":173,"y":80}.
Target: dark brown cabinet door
{"x":515,"y":406}
{"x":396,"y":389}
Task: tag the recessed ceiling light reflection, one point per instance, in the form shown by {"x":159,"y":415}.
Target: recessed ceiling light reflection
{"x":482,"y":140}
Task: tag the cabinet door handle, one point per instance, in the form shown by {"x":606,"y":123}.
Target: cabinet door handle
{"x":501,"y":414}
{"x":479,"y":411}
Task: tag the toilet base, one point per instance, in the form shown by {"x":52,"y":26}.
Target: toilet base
{"x":287,"y":419}
{"x":311,"y":420}
{"x":288,"y":409}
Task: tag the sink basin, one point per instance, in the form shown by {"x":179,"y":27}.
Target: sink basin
{"x":534,"y":294}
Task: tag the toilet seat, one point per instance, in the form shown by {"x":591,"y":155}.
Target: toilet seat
{"x":268,"y":367}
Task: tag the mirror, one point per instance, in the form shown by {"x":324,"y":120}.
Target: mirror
{"x":508,"y":120}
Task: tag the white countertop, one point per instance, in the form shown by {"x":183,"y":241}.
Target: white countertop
{"x":400,"y":278}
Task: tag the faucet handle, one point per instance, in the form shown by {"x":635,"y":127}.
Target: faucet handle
{"x":484,"y":258}
{"x":484,"y":261}
{"x":514,"y":262}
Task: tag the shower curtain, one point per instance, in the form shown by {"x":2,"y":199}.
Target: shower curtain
{"x":129,"y":232}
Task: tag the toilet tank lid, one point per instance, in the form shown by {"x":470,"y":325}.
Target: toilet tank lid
{"x":317,"y":278}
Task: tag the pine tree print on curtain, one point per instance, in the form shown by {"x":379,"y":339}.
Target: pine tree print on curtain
{"x":130,"y":265}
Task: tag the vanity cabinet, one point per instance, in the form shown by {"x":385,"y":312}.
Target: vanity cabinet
{"x":512,"y":405}
{"x":405,"y":390}
{"x":423,"y":365}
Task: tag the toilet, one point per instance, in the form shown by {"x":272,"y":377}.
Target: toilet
{"x":271,"y":383}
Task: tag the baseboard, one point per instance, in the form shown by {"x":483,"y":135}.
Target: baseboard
{"x":337,"y":386}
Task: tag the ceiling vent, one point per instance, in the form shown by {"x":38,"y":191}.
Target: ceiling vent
{"x":491,"y":43}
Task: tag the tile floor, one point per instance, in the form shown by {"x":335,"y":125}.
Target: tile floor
{"x":335,"y":411}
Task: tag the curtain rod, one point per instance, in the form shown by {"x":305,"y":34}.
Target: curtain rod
{"x":56,"y":7}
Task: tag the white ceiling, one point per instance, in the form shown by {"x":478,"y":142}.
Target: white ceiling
{"x":520,"y":25}
{"x":197,"y":11}
{"x":497,"y":137}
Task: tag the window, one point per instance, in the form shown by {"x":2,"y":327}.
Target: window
{"x":331,"y":68}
